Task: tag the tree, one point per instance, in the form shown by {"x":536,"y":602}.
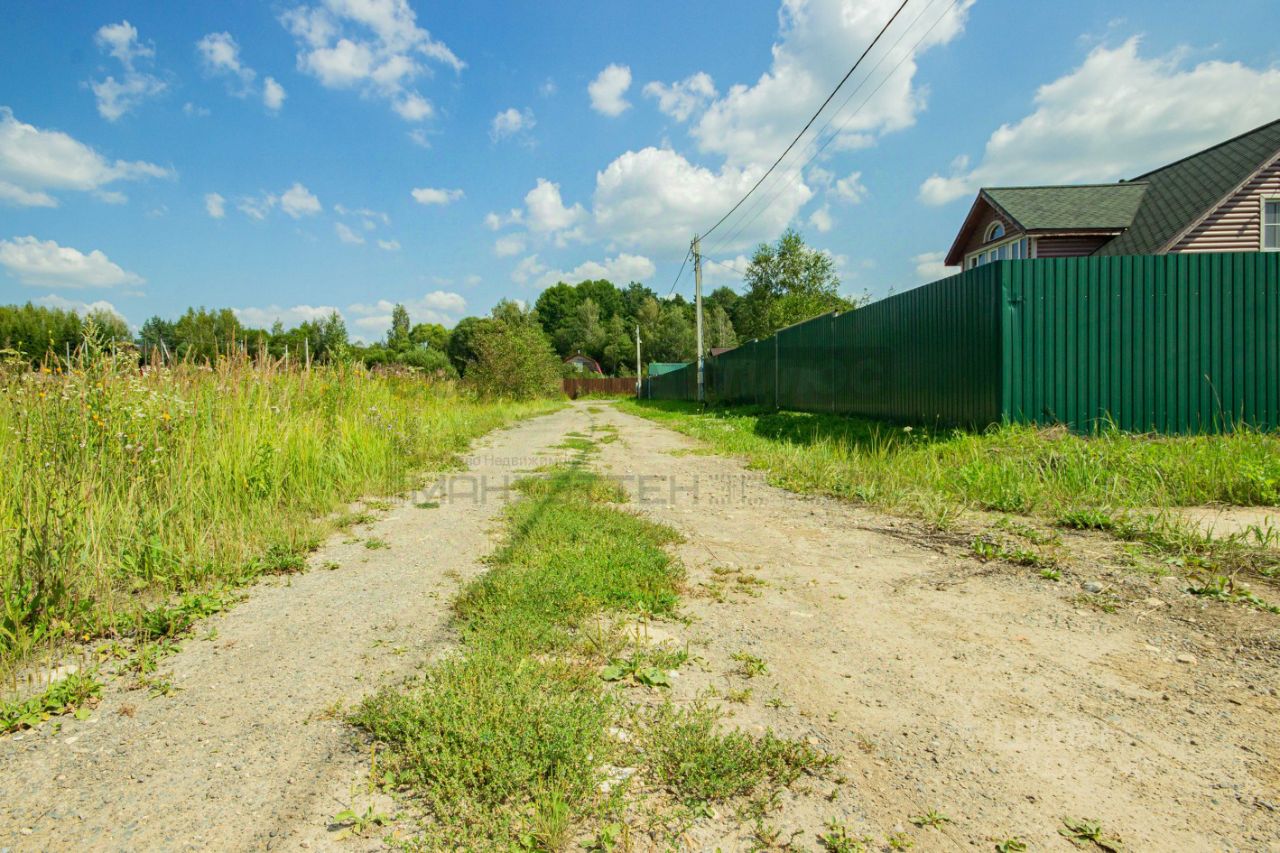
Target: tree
{"x":398,"y":334}
{"x":587,"y":332}
{"x":157,"y":334}
{"x":203,"y":334}
{"x":36,"y":331}
{"x":555,"y":307}
{"x":512,"y":356}
{"x":786,"y":283}
{"x":719,"y":328}
{"x":673,"y":337}
{"x":430,"y":335}
{"x":462,"y":342}
{"x":107,"y":325}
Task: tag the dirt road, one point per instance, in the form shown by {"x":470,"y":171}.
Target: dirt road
{"x":977,"y":691}
{"x":984,"y":693}
{"x":249,"y":752}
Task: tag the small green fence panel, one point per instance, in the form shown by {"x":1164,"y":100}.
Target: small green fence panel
{"x":931,"y":354}
{"x":805,"y":366}
{"x":1169,"y":343}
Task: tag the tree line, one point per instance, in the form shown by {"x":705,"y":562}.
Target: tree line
{"x":785,"y":282}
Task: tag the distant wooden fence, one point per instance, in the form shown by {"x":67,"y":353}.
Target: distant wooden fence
{"x":620,"y":386}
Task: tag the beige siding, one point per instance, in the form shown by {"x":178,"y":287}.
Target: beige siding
{"x":1236,"y":225}
{"x":1074,"y":246}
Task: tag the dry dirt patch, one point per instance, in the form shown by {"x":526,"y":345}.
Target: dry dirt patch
{"x":977,"y":691}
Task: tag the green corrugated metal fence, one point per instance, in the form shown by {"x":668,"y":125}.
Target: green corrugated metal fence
{"x":1170,"y":343}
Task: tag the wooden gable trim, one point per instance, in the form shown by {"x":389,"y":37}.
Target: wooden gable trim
{"x":955,"y":255}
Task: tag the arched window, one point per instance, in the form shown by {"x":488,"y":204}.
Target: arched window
{"x":994,"y":232}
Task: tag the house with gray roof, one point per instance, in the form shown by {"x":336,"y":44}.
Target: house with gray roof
{"x":1223,"y":199}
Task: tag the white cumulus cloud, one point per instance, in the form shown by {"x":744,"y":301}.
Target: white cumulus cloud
{"x":815,"y":44}
{"x":117,"y":97}
{"x":930,"y":266}
{"x":622,"y":269}
{"x":215,"y":205}
{"x":346,"y":235}
{"x":682,"y":99}
{"x":46,"y":264}
{"x":511,"y":122}
{"x":298,"y":201}
{"x":655,"y":199}
{"x":438,"y":306}
{"x":434,"y":195}
{"x":264,"y":318}
{"x":1115,"y":116}
{"x":220,"y":55}
{"x":373,"y":46}
{"x":546,"y":212}
{"x":389,"y":245}
{"x":273,"y":94}
{"x":508,"y":245}
{"x":34,"y":162}
{"x":608,"y":90}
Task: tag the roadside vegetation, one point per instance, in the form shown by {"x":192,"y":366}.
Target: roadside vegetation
{"x":127,"y":489}
{"x":1117,"y":483}
{"x":525,"y":739}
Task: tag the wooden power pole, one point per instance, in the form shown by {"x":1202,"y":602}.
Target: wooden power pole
{"x":639,"y":378}
{"x":697,"y":310}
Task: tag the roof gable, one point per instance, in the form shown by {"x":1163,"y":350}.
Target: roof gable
{"x":1096,"y":207}
{"x":1179,"y":194}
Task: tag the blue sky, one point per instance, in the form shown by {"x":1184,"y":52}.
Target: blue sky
{"x":286,"y":158}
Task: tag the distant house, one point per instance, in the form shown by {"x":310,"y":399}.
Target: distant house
{"x":584,"y":364}
{"x":1223,"y":199}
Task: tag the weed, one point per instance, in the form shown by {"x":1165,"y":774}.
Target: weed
{"x":358,"y":823}
{"x":741,"y":697}
{"x":75,"y":693}
{"x":837,"y":839}
{"x":1011,"y":845}
{"x":331,"y":565}
{"x":427,"y":504}
{"x":375,"y":544}
{"x":697,"y":761}
{"x":932,"y":818}
{"x":749,"y":666}
{"x":900,"y":841}
{"x":1083,"y":831}
{"x":1051,"y":574}
{"x":648,"y":669}
{"x":610,"y":837}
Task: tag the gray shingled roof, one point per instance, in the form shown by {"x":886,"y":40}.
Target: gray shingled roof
{"x":1068,"y":208}
{"x":1181,"y":192}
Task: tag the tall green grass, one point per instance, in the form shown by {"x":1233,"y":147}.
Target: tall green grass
{"x":121,"y":486}
{"x":1018,"y":469}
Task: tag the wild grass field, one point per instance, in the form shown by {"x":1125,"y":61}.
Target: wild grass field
{"x":126,"y":489}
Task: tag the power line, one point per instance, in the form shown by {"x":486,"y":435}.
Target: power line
{"x":762,"y":203}
{"x":683,"y":264}
{"x":812,"y":119}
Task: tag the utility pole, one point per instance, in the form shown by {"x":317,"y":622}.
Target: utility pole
{"x":639,"y":379}
{"x":697,"y":308}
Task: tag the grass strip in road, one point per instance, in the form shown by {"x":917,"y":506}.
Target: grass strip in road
{"x":508,"y":742}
